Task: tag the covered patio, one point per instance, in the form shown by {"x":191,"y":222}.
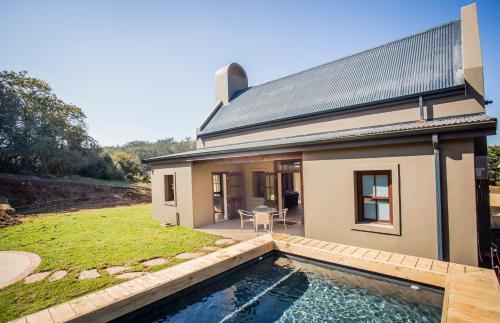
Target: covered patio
{"x":231,"y":229}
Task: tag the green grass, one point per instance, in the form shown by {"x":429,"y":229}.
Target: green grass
{"x":84,"y":240}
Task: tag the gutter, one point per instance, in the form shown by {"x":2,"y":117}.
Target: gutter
{"x":455,"y":90}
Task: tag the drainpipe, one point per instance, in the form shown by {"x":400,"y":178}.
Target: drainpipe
{"x":439,"y":208}
{"x":421,"y":106}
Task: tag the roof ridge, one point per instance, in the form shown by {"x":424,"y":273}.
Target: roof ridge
{"x":350,"y":55}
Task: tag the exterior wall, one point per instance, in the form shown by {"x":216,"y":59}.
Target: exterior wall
{"x":436,"y":108}
{"x":471,"y":48}
{"x":202,"y":189}
{"x":461,"y":201}
{"x":184,"y":194}
{"x":329,"y":198}
{"x":251,"y":201}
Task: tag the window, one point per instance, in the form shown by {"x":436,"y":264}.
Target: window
{"x":170,"y":188}
{"x":217,"y":184}
{"x":258,"y":180}
{"x":289,"y":165}
{"x":270,"y":187}
{"x":374,"y":196}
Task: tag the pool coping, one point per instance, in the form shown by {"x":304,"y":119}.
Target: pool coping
{"x":470,"y":293}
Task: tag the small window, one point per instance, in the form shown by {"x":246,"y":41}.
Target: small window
{"x":374,"y":196}
{"x":170,"y":189}
{"x":258,"y":181}
{"x":217,"y":184}
{"x":270,"y":187}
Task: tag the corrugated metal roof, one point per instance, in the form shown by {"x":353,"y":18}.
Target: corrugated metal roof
{"x":425,"y":62}
{"x":339,"y":136}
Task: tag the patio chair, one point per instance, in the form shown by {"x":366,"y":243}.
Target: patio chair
{"x":263,"y":218}
{"x":246,"y":217}
{"x":280,"y":216}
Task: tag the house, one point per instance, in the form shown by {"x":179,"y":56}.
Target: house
{"x":384,"y":149}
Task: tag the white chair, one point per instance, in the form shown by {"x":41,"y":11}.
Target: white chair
{"x":280,"y":216}
{"x":246,"y":217}
{"x":263,"y":218}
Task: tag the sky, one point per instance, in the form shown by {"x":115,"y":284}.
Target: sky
{"x":144,"y":70}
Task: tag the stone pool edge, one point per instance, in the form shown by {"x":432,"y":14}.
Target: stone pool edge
{"x":471,"y":293}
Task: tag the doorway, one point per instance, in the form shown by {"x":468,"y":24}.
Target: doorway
{"x":227,"y":195}
{"x":291,"y":189}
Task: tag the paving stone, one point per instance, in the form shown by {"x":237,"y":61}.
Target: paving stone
{"x":154,"y":262}
{"x":211,"y":248}
{"x":36,"y":277}
{"x":189,"y":255}
{"x":117,"y":269}
{"x":131,"y":275}
{"x":60,"y":274}
{"x":221,"y":242}
{"x":89,"y":274}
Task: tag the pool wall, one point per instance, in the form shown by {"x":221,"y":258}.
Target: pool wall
{"x":471,"y":293}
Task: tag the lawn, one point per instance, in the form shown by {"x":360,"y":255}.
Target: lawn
{"x":85,"y":240}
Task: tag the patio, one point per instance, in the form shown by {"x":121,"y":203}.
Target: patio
{"x":231,"y":229}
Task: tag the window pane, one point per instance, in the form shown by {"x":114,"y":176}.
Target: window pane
{"x":383,"y":210}
{"x":382,"y":185}
{"x":368,"y":185}
{"x":169,"y":188}
{"x":370,"y":210}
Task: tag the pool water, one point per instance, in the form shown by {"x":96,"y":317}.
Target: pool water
{"x":280,"y":288}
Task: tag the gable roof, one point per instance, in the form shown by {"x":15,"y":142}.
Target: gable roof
{"x":425,"y":62}
{"x":441,"y":125}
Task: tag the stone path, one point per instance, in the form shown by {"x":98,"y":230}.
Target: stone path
{"x":60,"y":274}
{"x":154,"y":262}
{"x":189,"y":255}
{"x":36,"y":277}
{"x":222,"y":242}
{"x":113,"y":270}
{"x":211,"y":248}
{"x":16,"y":265}
{"x":89,"y":274}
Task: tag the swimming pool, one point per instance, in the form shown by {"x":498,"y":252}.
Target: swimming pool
{"x":284,"y":288}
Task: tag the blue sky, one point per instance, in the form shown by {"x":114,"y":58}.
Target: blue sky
{"x":143,"y":70}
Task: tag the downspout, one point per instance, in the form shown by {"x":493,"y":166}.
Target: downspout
{"x":439,"y":207}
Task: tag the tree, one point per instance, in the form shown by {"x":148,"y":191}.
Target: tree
{"x":493,"y":165}
{"x":40,"y":133}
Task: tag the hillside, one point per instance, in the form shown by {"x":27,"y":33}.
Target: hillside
{"x":32,"y":194}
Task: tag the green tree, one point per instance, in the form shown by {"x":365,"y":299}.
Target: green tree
{"x":493,"y":165}
{"x":129,"y":166}
{"x":39,"y":133}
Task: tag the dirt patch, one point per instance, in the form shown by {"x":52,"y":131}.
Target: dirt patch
{"x":30,"y":194}
{"x":7,"y":214}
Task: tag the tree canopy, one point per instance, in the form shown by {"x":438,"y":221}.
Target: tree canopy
{"x":41,"y":134}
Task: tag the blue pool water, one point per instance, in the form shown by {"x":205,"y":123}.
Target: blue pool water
{"x":281,"y":288}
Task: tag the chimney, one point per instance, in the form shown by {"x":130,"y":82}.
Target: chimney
{"x":229,"y":80}
{"x":471,"y":49}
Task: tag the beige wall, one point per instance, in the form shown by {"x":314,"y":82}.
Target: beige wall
{"x":329,"y":198}
{"x":184,"y":199}
{"x":436,"y":108}
{"x":202,"y":189}
{"x":460,"y":193}
{"x":268,"y":167}
{"x":471,"y":48}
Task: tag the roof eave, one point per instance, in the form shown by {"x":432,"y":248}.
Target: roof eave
{"x":485,"y":128}
{"x":450,"y":91}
